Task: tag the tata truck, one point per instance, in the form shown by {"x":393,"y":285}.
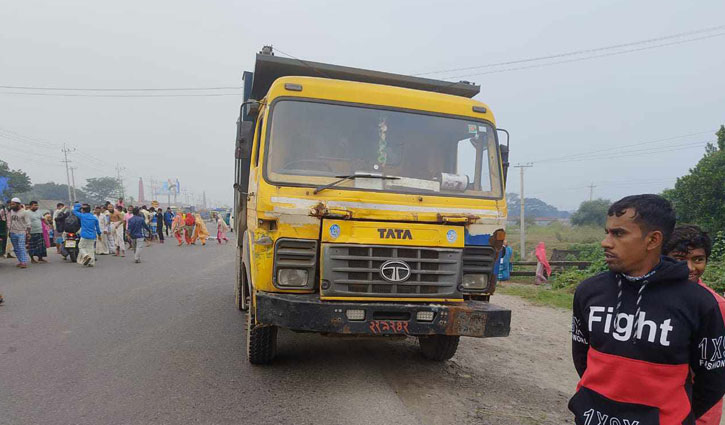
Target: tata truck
{"x":366,"y":204}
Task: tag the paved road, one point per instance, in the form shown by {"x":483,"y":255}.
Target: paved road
{"x":161,"y":342}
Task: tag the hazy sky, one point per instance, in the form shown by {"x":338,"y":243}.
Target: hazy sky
{"x":602,"y":104}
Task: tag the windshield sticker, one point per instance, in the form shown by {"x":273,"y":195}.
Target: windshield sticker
{"x":481,"y":128}
{"x":382,"y":142}
{"x":472,"y":128}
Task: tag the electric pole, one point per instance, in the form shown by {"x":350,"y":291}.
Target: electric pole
{"x":591,"y":191}
{"x":119,"y":169}
{"x":65,"y":151}
{"x":522,"y":219}
{"x":73,"y":182}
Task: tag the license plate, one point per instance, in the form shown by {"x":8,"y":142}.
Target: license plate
{"x":379,"y":327}
{"x":70,"y":244}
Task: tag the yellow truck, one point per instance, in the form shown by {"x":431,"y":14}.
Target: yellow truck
{"x":367,"y":204}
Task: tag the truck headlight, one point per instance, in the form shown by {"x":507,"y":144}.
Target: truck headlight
{"x":295,"y":278}
{"x":475,"y":281}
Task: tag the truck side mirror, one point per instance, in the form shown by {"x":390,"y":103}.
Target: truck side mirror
{"x":245,"y":137}
{"x":504,"y":149}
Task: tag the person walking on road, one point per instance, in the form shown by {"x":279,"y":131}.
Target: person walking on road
{"x":102,"y":242}
{"x":200,"y":230}
{"x":646,"y":342}
{"x":116,"y":232}
{"x":189,"y":222}
{"x":160,"y":224}
{"x":37,"y":243}
{"x":168,"y":219}
{"x":59,"y":216}
{"x":136,"y":226}
{"x":90,"y":231}
{"x":177,"y":228}
{"x":221,"y":229}
{"x":18,"y":228}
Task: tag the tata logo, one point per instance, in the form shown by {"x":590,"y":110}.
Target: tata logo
{"x":395,"y":271}
{"x":395,"y":234}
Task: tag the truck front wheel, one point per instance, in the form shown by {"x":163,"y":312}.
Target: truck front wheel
{"x":438,"y":347}
{"x":261,"y":342}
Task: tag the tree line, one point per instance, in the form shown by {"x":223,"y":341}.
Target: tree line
{"x":16,"y":183}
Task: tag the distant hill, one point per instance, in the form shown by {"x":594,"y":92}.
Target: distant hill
{"x":533,"y":207}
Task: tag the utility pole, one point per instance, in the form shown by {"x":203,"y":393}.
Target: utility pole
{"x":119,"y":169}
{"x":522,"y":223}
{"x":591,"y":191}
{"x":65,"y":151}
{"x":73,"y":182}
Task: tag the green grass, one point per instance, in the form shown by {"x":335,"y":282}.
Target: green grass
{"x":556,"y":235}
{"x":538,"y":295}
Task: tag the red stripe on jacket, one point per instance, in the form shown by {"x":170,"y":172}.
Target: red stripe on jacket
{"x":636,"y":381}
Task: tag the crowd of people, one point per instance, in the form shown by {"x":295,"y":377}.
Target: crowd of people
{"x":108,"y":229}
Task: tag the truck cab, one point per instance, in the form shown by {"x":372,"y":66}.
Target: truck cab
{"x":366,"y":203}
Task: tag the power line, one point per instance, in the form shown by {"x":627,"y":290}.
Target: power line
{"x":119,"y":95}
{"x":118,"y":89}
{"x":578,"y":52}
{"x":621,"y":154}
{"x":621,"y":52}
{"x":626,"y":146}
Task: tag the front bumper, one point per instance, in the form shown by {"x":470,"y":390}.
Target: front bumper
{"x":305,"y":312}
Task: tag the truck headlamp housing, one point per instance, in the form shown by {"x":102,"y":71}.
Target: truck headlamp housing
{"x":295,"y":262}
{"x":293,"y":278}
{"x":473,"y":282}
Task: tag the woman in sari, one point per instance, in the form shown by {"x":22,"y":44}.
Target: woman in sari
{"x":177,"y":227}
{"x":200,"y":231}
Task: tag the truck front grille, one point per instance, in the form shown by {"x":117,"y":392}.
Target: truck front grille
{"x":354,"y":270}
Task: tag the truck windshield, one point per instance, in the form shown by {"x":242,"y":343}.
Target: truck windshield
{"x":314,"y":143}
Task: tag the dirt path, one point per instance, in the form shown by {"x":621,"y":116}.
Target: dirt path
{"x":526,"y":378}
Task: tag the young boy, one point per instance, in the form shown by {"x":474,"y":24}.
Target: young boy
{"x":690,"y":244}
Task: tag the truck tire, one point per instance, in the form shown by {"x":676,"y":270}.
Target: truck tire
{"x":261,"y":342}
{"x":241,"y":290}
{"x":438,"y":347}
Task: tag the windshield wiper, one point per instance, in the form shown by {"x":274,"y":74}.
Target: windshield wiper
{"x":353,"y":177}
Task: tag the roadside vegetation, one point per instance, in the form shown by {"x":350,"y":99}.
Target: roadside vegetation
{"x":698,"y":198}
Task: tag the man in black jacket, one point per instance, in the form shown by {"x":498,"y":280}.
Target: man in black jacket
{"x":648,"y":344}
{"x":59,"y":216}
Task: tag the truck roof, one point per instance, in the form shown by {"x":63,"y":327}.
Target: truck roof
{"x":268,"y":68}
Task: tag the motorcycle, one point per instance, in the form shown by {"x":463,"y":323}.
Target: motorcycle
{"x":70,"y":246}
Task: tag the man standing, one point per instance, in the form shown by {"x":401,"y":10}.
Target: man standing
{"x":647,"y":343}
{"x":117,"y":221}
{"x":168,"y":219}
{"x":90,"y":230}
{"x":58,"y":220}
{"x":102,"y":242}
{"x":37,"y":243}
{"x":136,"y":226}
{"x":18,"y":227}
{"x":160,"y":224}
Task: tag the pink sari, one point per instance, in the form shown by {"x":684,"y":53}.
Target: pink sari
{"x":46,"y":234}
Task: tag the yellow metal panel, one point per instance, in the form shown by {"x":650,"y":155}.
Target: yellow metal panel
{"x":376,"y":94}
{"x":399,"y":234}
